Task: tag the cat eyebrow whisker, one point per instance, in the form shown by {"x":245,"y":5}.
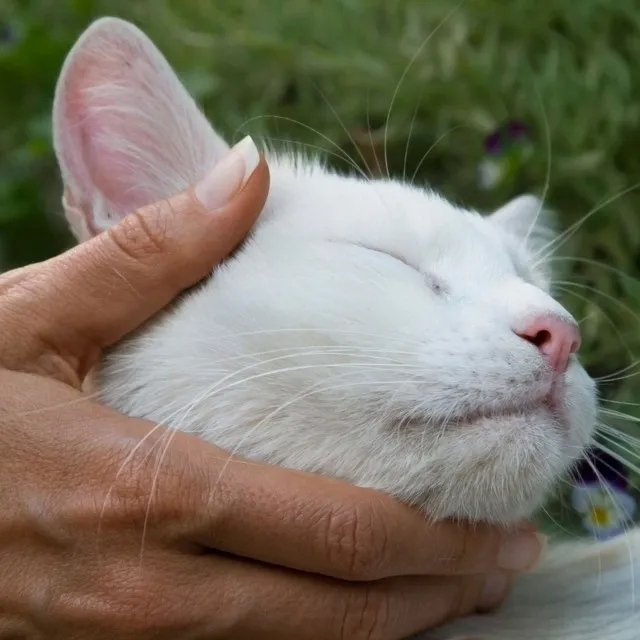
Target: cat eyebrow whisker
{"x":344,"y":128}
{"x":407,"y":68}
{"x":547,"y":179}
{"x":437,"y":141}
{"x":544,"y":252}
{"x":338,"y":148}
{"x":299,"y":143}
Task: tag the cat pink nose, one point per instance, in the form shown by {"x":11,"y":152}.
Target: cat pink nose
{"x":556,"y":338}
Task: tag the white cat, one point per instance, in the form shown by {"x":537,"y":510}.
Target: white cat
{"x":368,"y":330}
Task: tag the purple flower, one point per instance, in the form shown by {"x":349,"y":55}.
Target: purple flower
{"x":505,"y":135}
{"x":493,"y":143}
{"x":599,"y":466}
{"x":516,"y":129}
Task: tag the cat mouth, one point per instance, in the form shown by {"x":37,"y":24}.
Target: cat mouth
{"x":548,"y":407}
{"x":550,"y":404}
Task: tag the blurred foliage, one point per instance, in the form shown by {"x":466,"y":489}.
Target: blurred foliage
{"x":325,"y":74}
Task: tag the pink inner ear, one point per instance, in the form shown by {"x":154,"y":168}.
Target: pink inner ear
{"x":126,"y":131}
{"x":97,"y":125}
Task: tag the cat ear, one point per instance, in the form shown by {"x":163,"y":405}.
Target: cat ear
{"x":126,"y":132}
{"x":526,"y":218}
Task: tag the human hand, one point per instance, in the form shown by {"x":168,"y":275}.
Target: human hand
{"x":114,"y":528}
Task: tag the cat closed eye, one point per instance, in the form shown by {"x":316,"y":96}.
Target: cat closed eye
{"x":434,"y":283}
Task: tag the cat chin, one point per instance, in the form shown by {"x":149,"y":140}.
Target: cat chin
{"x":501,"y":469}
{"x":500,"y":486}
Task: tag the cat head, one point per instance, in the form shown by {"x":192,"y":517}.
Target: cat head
{"x":368,"y":329}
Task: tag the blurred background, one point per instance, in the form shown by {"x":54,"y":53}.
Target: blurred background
{"x":483,"y":99}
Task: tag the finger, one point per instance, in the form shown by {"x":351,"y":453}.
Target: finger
{"x":102,"y":289}
{"x":255,"y":600}
{"x":311,"y":523}
{"x":274,"y":515}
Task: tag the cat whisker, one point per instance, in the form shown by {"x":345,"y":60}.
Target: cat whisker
{"x":619,"y":434}
{"x":614,"y":440}
{"x":128,"y":458}
{"x":591,"y":501}
{"x":617,"y":456}
{"x":586,"y":318}
{"x":612,"y":379}
{"x":170,"y":434}
{"x":615,"y":375}
{"x":317,"y":350}
{"x":619,"y":414}
{"x":317,"y":147}
{"x":67,"y":403}
{"x":406,"y":71}
{"x":608,"y":491}
{"x":341,"y":123}
{"x":370,"y":136}
{"x":219,"y":386}
{"x":606,"y":316}
{"x":556,"y":523}
{"x":622,"y":305}
{"x":312,"y":330}
{"x":439,"y":139}
{"x":621,"y":402}
{"x":406,"y":147}
{"x":595,"y":263}
{"x":547,"y":180}
{"x":339,"y":149}
{"x":308,"y":391}
{"x":557,"y":242}
{"x":614,"y":430}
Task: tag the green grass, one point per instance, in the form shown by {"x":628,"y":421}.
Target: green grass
{"x":325,"y":73}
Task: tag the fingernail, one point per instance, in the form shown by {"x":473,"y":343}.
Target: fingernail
{"x":494,"y":591}
{"x":229,"y":175}
{"x":521,"y":551}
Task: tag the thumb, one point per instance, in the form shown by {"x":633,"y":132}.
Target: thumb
{"x":91,"y":296}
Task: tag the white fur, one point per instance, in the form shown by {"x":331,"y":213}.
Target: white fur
{"x":582,"y":591}
{"x":365,"y":330}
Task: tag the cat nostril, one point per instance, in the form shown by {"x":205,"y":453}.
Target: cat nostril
{"x":539,"y":339}
{"x":555,"y":337}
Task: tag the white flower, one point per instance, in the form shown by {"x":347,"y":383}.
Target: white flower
{"x":605,"y":509}
{"x":490,"y":173}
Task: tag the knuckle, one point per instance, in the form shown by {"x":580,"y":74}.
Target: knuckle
{"x":141,"y":236}
{"x":135,"y":475}
{"x":367,"y":614}
{"x":148,"y":477}
{"x":357,"y":543}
